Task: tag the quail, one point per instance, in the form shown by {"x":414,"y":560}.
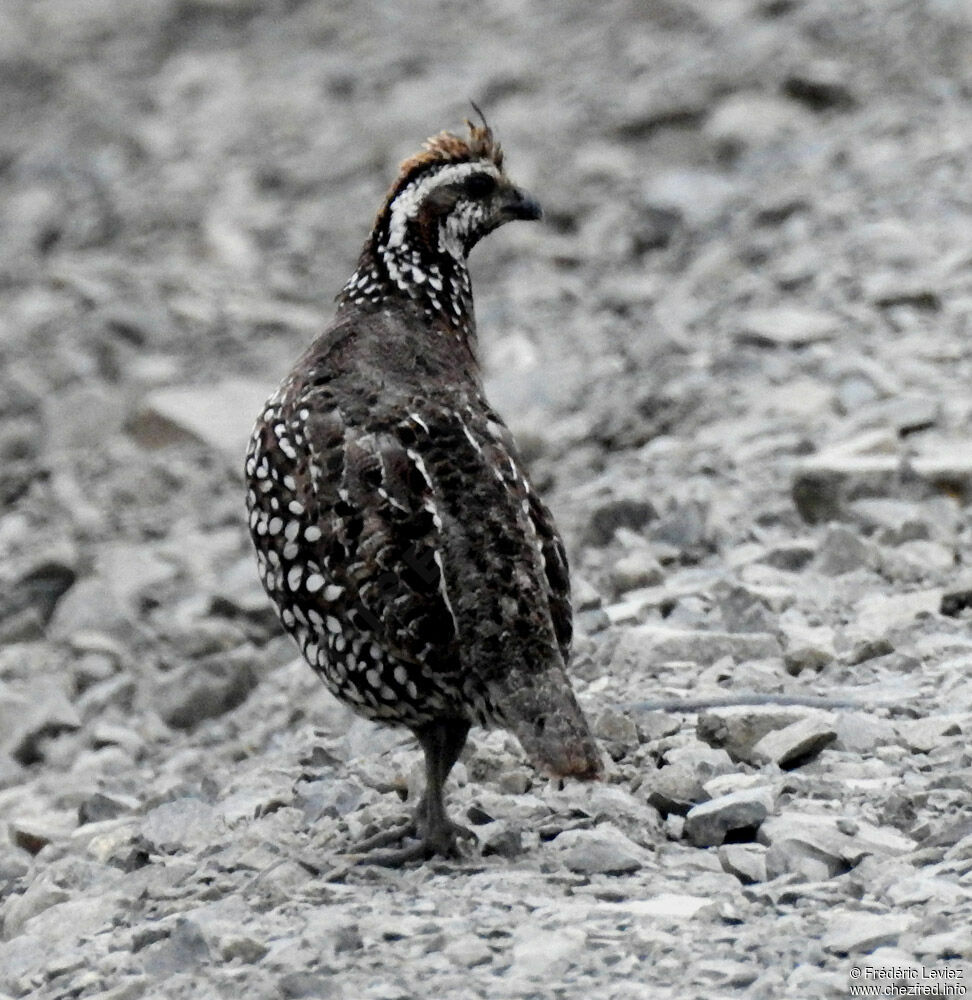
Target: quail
{"x":396,"y":529}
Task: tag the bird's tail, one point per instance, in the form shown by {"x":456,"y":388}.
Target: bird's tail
{"x":543,"y":714}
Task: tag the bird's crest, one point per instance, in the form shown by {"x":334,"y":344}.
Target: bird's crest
{"x":447,"y":147}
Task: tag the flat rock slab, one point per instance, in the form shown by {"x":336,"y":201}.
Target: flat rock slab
{"x":797,"y":742}
{"x":861,"y":933}
{"x":645,"y":645}
{"x":220,"y":415}
{"x":746,"y":861}
{"x":836,"y":843}
{"x":739,"y":728}
{"x":826,"y":484}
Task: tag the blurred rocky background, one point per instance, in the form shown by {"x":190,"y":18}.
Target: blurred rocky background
{"x":737,"y":355}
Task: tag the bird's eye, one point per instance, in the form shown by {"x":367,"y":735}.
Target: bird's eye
{"x":480,"y":185}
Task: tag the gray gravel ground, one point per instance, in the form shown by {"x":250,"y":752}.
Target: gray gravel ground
{"x":738,"y":355}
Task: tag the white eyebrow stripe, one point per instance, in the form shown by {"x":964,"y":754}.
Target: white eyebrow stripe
{"x":407,"y":202}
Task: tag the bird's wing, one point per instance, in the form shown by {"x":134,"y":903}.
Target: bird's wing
{"x":422,"y":532}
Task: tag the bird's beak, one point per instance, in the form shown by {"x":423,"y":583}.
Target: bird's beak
{"x":517,"y":204}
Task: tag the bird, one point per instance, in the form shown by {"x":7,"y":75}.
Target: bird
{"x":396,"y":528}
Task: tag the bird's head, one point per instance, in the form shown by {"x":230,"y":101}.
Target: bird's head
{"x":450,"y":195}
{"x":445,"y":199}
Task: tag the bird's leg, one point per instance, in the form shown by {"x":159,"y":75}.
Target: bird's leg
{"x":442,"y":741}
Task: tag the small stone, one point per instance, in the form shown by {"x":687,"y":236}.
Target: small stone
{"x":746,"y":861}
{"x":183,"y":824}
{"x":637,"y":569}
{"x":100,"y":806}
{"x":501,"y":838}
{"x":957,"y":599}
{"x":738,"y":728}
{"x":541,"y":954}
{"x":468,"y":951}
{"x":787,"y":326}
{"x":617,"y":730}
{"x":610,"y":515}
{"x":821,"y":86}
{"x":184,"y":948}
{"x":604,"y":850}
{"x":793,"y":857}
{"x":746,"y":120}
{"x":843,"y":551}
{"x":708,"y":824}
{"x":868,"y":649}
{"x":796,"y":743}
{"x":584,"y":595}
{"x":41,"y":895}
{"x":875,"y":615}
{"x":670,"y":906}
{"x":207,"y":688}
{"x":243,"y":947}
{"x":699,"y":196}
{"x":926,"y":735}
{"x":309,"y":986}
{"x":32,"y":712}
{"x":892,"y":521}
{"x":34,"y":833}
{"x":945,"y":945}
{"x":674,"y":789}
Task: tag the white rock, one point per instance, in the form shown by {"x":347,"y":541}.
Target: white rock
{"x":860,"y":933}
{"x":708,"y":824}
{"x":220,"y":415}
{"x":787,"y":326}
{"x":542,"y":954}
{"x":801,"y":739}
{"x":645,"y":645}
{"x":604,"y":849}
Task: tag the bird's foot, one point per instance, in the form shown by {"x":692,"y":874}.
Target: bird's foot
{"x":439,"y":840}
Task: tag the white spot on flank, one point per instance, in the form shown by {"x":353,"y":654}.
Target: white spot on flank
{"x":295,"y":507}
{"x":294,"y":577}
{"x":292,"y":530}
{"x":331,"y":592}
{"x":314,"y":583}
{"x":313,"y":533}
{"x":333,"y":625}
{"x":276,"y":523}
{"x":290,"y":550}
